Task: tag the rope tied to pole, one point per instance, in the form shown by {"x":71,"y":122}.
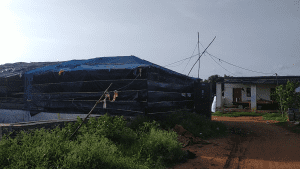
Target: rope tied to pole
{"x":107,"y":96}
{"x":90,"y":111}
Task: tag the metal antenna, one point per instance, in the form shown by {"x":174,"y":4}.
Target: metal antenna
{"x":202,"y":54}
{"x":199,"y":56}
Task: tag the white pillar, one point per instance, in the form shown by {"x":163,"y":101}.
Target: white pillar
{"x":253,"y":96}
{"x":219,"y":95}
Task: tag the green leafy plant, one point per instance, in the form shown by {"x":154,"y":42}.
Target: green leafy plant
{"x":286,"y":96}
{"x":107,"y":142}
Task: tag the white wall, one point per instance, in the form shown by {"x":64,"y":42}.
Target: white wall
{"x":253,"y":96}
{"x":259,"y":90}
{"x":228,"y":92}
{"x":219,"y":94}
{"x":263,"y":91}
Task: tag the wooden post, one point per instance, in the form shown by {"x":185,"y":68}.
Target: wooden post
{"x":202,"y":99}
{"x":90,"y":111}
{"x":199,"y":56}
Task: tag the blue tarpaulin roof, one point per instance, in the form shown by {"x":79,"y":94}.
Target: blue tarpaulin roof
{"x":118,"y":62}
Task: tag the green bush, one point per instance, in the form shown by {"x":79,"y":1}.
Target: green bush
{"x":109,"y":143}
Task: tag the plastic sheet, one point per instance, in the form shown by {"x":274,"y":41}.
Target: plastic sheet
{"x":16,"y":116}
{"x":214,"y":105}
{"x":76,"y":85}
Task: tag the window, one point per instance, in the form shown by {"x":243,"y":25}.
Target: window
{"x":248,"y":92}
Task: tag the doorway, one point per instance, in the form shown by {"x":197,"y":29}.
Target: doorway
{"x":237,"y":94}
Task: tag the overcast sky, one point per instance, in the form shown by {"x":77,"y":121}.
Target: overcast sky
{"x":259,"y":35}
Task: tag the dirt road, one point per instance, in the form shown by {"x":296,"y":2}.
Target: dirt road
{"x":255,"y":143}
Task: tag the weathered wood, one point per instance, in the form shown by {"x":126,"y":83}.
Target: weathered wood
{"x":203,"y":99}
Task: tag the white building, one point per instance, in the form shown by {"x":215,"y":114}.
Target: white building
{"x":250,"y":91}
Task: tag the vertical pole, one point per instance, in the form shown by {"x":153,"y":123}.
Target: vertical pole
{"x":199,"y":56}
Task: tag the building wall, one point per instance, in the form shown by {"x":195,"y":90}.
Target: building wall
{"x":228,"y":92}
{"x":262,"y":91}
{"x":253,"y":96}
{"x":220,"y":101}
{"x":257,"y":91}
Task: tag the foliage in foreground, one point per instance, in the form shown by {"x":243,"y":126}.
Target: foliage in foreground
{"x":287,"y":97}
{"x":108,"y":143}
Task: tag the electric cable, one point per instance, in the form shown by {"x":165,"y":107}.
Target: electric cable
{"x":221,"y":59}
{"x":222,"y":66}
{"x":182,"y":60}
{"x":202,"y":54}
{"x":237,"y":66}
{"x":190,"y":59}
{"x":199,"y":56}
{"x":214,"y":60}
{"x":185,"y":58}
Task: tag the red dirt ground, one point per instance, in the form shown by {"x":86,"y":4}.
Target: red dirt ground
{"x":266,"y":146}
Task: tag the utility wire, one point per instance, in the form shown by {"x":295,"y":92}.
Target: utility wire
{"x":182,"y":59}
{"x":202,"y":54}
{"x":222,"y":66}
{"x":199,"y":56}
{"x":237,"y":66}
{"x":215,"y":57}
{"x":190,"y":59}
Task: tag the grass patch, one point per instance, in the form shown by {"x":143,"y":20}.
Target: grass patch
{"x":109,"y":143}
{"x":266,"y":116}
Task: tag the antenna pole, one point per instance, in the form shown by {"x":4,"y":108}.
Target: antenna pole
{"x":199,"y":56}
{"x":202,"y":54}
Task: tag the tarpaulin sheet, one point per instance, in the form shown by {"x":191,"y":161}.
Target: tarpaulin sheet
{"x":169,"y":87}
{"x":16,"y":116}
{"x":13,"y":116}
{"x":18,"y":69}
{"x":77,"y":84}
{"x":100,"y":63}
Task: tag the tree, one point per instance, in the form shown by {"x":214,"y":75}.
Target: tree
{"x":286,"y":96}
{"x":214,"y":79}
